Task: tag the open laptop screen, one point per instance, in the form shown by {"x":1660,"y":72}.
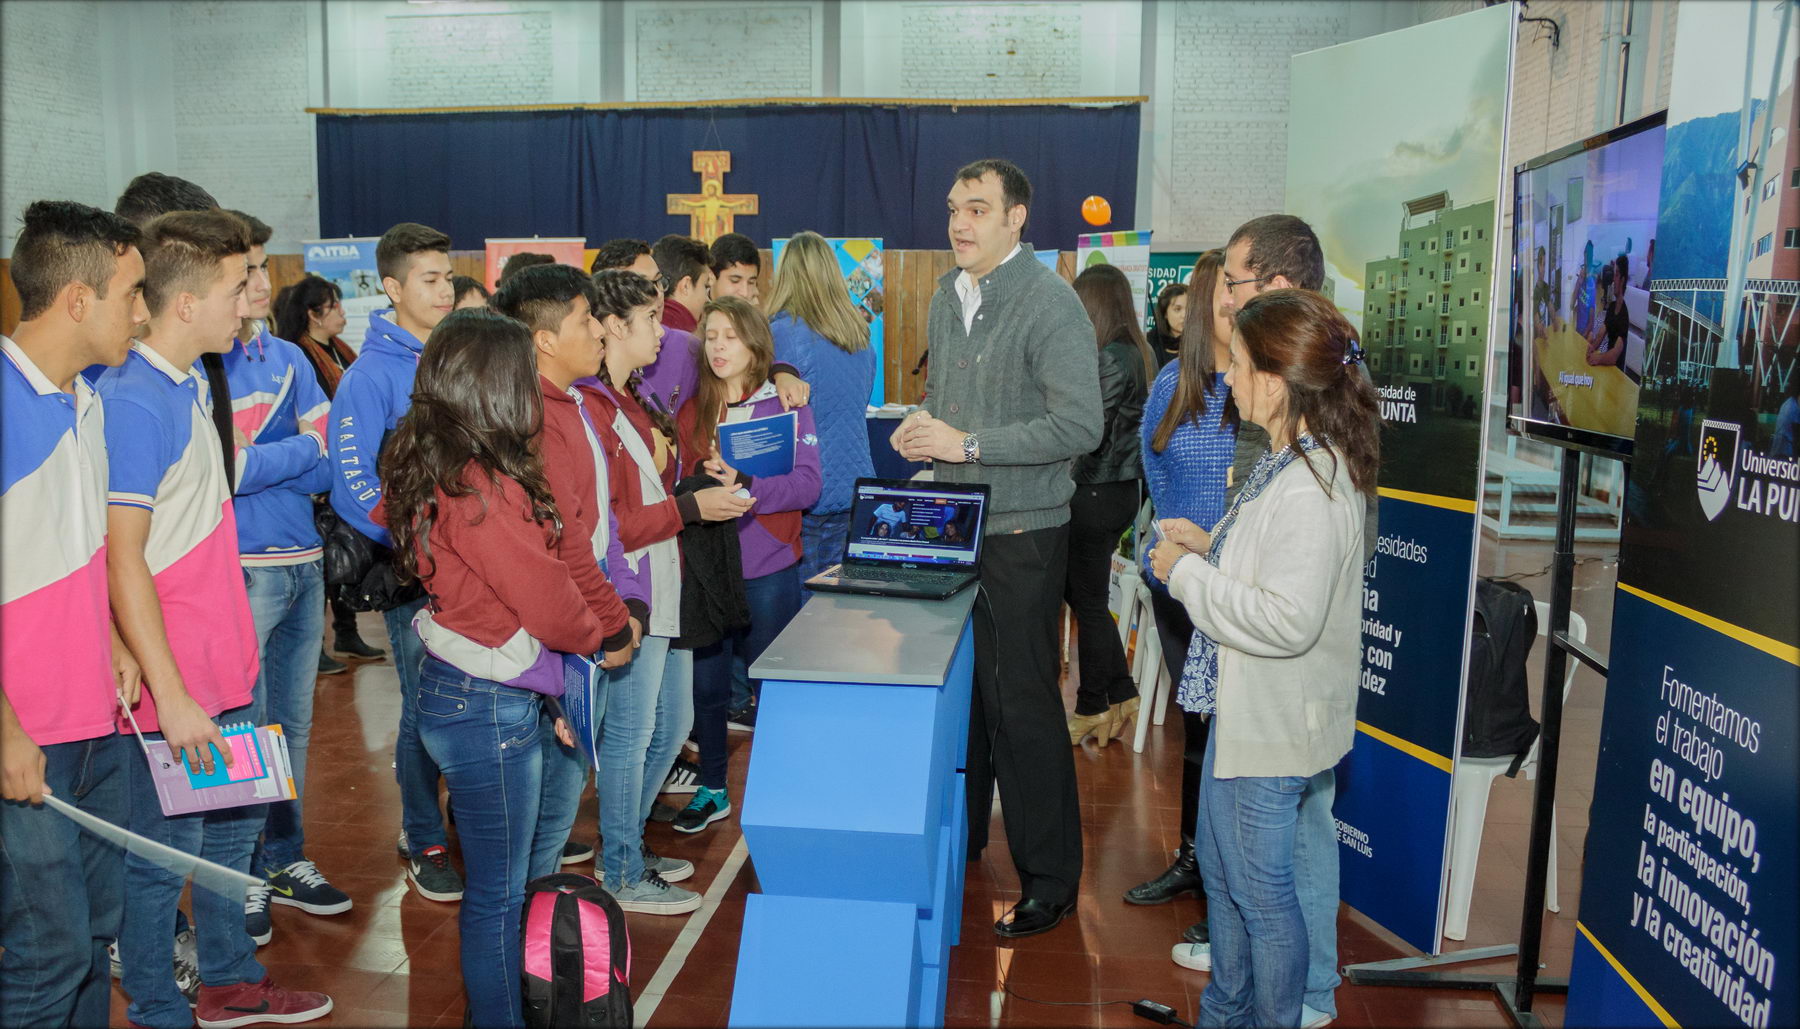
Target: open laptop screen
{"x":916,"y":524}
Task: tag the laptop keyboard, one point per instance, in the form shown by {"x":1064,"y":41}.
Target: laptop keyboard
{"x":922,"y":576}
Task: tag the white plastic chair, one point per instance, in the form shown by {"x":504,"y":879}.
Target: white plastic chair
{"x":1469,"y":797}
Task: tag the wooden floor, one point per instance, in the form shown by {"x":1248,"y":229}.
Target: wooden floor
{"x":392,"y":960}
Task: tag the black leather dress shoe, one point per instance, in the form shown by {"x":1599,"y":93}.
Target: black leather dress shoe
{"x":1031,"y":916}
{"x":1196,"y":933}
{"x":1181,"y":877}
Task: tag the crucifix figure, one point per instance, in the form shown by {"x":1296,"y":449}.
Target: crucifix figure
{"x":712,"y":210}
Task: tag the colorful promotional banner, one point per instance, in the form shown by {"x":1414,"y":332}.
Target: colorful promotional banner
{"x":1688,"y":912}
{"x":570,"y":250}
{"x":1166,"y":267}
{"x":1127,"y":251}
{"x":860,"y":259}
{"x":350,"y":263}
{"x":1408,"y":226}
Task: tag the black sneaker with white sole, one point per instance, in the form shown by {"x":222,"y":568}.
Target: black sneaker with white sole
{"x":300,"y":885}
{"x":743,"y":719}
{"x":684,"y":777}
{"x":256,"y":914}
{"x":575,"y":852}
{"x":433,"y":876}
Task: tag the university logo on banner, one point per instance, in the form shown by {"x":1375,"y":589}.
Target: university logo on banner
{"x":1718,"y":459}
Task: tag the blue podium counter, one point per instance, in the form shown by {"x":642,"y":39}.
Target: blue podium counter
{"x":862,"y":888}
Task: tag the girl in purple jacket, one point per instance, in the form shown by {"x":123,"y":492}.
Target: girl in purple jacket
{"x":737,"y":354}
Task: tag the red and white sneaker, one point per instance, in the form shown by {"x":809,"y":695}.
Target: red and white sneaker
{"x":223,"y":1007}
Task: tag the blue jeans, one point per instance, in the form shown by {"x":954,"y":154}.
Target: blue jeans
{"x":565,"y":775}
{"x":649,"y":709}
{"x":773,"y":600}
{"x":147,"y":939}
{"x":414,"y":768}
{"x":822,"y":540}
{"x":1316,"y":880}
{"x":62,"y":891}
{"x":287,"y":603}
{"x":486,"y":738}
{"x":1245,"y":846}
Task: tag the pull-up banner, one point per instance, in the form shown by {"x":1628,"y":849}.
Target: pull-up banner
{"x":1688,"y":912}
{"x":1408,"y":225}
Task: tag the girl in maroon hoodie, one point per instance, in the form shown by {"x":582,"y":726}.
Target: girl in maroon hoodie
{"x":473,"y":518}
{"x":737,"y":354}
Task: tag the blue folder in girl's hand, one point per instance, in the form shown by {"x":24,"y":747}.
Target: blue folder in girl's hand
{"x":760,"y":446}
{"x":582,"y":703}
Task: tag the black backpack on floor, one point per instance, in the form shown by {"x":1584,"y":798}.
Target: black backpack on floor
{"x":577,"y":955}
{"x":1497,"y":718}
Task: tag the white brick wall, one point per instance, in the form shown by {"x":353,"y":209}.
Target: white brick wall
{"x":975,"y":51}
{"x":53,"y":133}
{"x":685,"y":51}
{"x":447,"y":60}
{"x":241,"y":127}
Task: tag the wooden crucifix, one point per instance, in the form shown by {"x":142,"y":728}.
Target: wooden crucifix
{"x":712,"y":210}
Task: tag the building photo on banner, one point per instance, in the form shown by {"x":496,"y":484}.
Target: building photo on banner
{"x":1405,"y":211}
{"x":1688,"y":913}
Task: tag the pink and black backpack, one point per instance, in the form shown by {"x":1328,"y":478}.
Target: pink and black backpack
{"x":577,"y":955}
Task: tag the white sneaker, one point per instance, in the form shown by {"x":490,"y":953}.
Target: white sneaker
{"x":1197,"y":956}
{"x":187,"y":966}
{"x":1313,"y":1018}
{"x":654,"y":896}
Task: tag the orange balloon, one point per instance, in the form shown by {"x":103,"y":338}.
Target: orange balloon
{"x":1096,"y":211}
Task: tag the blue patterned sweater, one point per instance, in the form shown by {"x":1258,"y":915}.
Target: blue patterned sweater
{"x":1187,"y":480}
{"x":841,"y":383}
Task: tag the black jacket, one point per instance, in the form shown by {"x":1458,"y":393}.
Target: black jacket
{"x":712,"y":577}
{"x":1122,"y":391}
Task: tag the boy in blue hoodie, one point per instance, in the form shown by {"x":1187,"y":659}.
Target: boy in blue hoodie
{"x":414,"y":263}
{"x":278,"y":413}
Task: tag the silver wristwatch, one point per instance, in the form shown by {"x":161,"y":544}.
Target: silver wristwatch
{"x":969,"y":448}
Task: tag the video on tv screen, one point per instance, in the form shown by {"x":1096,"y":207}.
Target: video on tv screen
{"x":1584,"y":247}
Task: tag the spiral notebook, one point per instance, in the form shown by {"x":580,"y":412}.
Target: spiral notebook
{"x":260,"y":772}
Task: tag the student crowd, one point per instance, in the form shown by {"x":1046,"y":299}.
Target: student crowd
{"x":516,"y":477}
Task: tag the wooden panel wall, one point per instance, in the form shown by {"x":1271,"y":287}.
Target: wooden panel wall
{"x":911,"y":279}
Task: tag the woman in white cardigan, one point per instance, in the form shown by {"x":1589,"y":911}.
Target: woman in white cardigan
{"x":1275,"y":593}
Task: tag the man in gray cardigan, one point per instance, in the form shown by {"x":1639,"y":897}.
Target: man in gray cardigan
{"x":1012,"y":396}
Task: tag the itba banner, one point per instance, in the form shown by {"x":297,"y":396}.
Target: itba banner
{"x":1408,"y":224}
{"x":1688,"y":913}
{"x":350,"y":265}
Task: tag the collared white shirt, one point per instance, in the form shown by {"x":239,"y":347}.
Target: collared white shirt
{"x":969,"y":292}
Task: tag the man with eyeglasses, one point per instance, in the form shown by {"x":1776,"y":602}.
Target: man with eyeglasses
{"x":1281,"y":251}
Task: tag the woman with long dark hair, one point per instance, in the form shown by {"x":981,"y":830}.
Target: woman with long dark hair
{"x":1275,"y":594}
{"x":1189,"y":441}
{"x":310,"y":313}
{"x":1108,"y":487}
{"x":474,"y":520}
{"x":1169,"y":315}
{"x":650,"y":702}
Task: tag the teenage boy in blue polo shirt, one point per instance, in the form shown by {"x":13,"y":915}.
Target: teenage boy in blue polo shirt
{"x":177,"y":592}
{"x":278,"y":413}
{"x":80,"y":280}
{"x":414,"y":263}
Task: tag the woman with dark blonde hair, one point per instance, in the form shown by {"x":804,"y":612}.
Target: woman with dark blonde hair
{"x":1275,"y":594}
{"x":823,"y":335}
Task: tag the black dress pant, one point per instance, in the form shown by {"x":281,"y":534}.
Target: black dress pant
{"x":1175,"y":631}
{"x":1099,"y":514}
{"x":1018,"y":734}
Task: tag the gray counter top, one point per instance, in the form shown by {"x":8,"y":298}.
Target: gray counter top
{"x":842,"y":637}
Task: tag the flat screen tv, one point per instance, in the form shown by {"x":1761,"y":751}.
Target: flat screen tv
{"x":1584,"y":228}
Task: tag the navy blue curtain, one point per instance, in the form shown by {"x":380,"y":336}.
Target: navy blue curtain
{"x":839,"y":171}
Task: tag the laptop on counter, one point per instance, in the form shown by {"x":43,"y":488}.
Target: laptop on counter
{"x":909,"y":539}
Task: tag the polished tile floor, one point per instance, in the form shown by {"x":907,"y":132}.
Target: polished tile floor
{"x":392,"y":960}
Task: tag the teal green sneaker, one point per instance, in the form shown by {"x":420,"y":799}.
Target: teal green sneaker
{"x":707,"y":807}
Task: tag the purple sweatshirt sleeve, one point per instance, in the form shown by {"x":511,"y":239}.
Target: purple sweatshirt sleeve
{"x":632,"y":585}
{"x":799,"y":489}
